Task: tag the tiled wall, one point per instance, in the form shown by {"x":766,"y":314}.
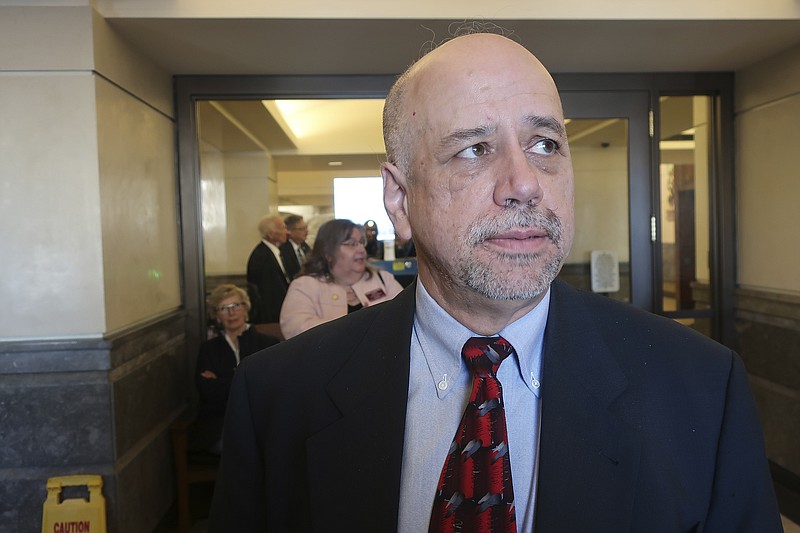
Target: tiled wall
{"x":768,"y":324}
{"x":92,"y":407}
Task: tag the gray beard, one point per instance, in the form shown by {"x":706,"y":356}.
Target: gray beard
{"x":483,"y":278}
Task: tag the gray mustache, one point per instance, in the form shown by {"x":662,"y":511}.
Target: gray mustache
{"x":518,"y":217}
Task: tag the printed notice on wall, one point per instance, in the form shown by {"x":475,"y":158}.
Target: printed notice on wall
{"x":605,"y":271}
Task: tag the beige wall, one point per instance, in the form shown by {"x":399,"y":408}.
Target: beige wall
{"x":601,"y":202}
{"x":237,"y":189}
{"x":138,"y":199}
{"x":51,"y":276}
{"x":51,"y":273}
{"x":213,"y":208}
{"x":82,"y":159}
{"x":768,"y":173}
{"x":251,"y":192}
{"x":135,"y":135}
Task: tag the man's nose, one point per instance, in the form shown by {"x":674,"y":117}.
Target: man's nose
{"x":518,"y":180}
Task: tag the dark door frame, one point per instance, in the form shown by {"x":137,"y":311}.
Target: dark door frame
{"x":722,"y":197}
{"x":632,"y":106}
{"x":574,"y":87}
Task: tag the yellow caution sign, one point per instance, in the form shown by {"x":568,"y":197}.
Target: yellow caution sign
{"x":74,"y":515}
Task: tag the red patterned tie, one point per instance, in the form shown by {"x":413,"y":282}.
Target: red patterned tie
{"x":475,"y":492}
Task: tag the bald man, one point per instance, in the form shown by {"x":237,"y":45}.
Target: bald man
{"x":601,"y":417}
{"x":266,"y":271}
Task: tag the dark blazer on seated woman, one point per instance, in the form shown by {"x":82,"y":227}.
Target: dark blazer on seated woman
{"x":217,"y":355}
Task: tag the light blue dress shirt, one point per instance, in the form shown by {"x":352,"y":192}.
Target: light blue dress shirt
{"x":438,"y":392}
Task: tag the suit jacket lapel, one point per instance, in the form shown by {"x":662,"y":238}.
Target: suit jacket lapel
{"x":357,"y":460}
{"x":290,"y":260}
{"x":588,"y":456}
{"x":279,"y":272}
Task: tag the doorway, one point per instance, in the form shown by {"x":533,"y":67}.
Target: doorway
{"x":613,"y":121}
{"x":609,"y":142}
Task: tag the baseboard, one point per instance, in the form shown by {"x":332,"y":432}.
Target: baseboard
{"x":787,"y":489}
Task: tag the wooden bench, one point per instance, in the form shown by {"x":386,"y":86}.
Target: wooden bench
{"x":273,"y":328}
{"x":187,"y":472}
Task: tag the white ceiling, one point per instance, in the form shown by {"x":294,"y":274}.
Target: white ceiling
{"x":343,"y":127}
{"x":340,"y":46}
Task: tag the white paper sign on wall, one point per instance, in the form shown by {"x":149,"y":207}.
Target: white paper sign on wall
{"x":605,"y":271}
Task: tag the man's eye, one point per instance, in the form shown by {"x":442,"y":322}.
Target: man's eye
{"x":545,"y":147}
{"x":476,"y":150}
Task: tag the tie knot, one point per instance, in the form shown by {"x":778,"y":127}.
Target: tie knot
{"x":484,"y":354}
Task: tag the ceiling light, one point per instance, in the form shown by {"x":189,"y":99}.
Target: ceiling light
{"x":335,"y":163}
{"x":676,"y":145}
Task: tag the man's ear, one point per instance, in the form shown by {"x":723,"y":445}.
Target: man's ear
{"x":395,"y":199}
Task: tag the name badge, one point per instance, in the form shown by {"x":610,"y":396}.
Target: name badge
{"x":377,"y":294}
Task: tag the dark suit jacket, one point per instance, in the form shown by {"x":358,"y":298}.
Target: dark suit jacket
{"x":264,"y":272}
{"x":289,"y":257}
{"x":216,"y":355}
{"x":647,"y":426}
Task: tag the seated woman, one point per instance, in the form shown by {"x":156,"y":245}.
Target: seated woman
{"x":335,"y":280}
{"x":217,"y":360}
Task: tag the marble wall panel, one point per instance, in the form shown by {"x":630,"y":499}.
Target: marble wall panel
{"x":147,"y":395}
{"x":54,"y":420}
{"x":21,"y":501}
{"x":145,"y":488}
{"x":65,"y":409}
{"x":768,"y":327}
{"x":779,"y":410}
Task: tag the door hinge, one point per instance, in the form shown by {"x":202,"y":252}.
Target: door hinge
{"x":652,"y":123}
{"x":653,"y":234}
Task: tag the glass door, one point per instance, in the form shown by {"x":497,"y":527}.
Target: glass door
{"x":684,"y":245}
{"x":609,"y":141}
{"x":631,"y":243}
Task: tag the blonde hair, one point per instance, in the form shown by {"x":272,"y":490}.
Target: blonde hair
{"x":223,"y":292}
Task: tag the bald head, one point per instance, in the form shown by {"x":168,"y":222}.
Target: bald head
{"x":459,"y":61}
{"x":272,"y":229}
{"x":480,"y":174}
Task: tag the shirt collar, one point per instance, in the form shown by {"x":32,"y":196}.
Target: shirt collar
{"x":440,"y":337}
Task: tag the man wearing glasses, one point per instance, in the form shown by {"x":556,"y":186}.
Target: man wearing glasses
{"x":295,"y":250}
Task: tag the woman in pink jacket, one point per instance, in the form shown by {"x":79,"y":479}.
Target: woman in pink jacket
{"x":335,"y":280}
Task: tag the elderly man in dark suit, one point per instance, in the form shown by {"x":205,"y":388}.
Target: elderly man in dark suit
{"x":266,"y":272}
{"x":295,"y":250}
{"x":563,"y":412}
